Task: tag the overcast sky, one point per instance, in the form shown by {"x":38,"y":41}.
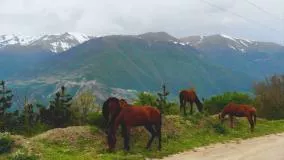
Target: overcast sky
{"x":177,"y":17}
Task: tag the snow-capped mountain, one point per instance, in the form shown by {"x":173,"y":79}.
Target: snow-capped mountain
{"x":54,"y":43}
{"x":228,"y":43}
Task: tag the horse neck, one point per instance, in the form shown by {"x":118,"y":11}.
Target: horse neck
{"x":198,"y":103}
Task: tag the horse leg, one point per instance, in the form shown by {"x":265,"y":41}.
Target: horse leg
{"x":231,"y":121}
{"x":191,"y":111}
{"x":153,"y":134}
{"x":126,"y":132}
{"x":184,"y":108}
{"x":159,"y":134}
{"x":251,"y":123}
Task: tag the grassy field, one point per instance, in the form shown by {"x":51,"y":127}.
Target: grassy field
{"x":179,"y":134}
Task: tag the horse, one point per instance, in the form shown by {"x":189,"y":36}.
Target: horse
{"x":110,"y":110}
{"x":133,"y":116}
{"x":191,"y":97}
{"x":239,"y":110}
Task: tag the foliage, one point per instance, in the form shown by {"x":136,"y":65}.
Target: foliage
{"x":59,"y":113}
{"x":270,"y":97}
{"x":21,"y":155}
{"x":82,"y":106}
{"x":5,"y":98}
{"x":216,"y":103}
{"x":96,"y":119}
{"x":145,"y":98}
{"x":5,"y":142}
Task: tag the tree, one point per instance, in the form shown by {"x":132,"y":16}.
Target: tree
{"x":5,"y":98}
{"x":216,"y":103}
{"x":59,"y":109}
{"x":270,"y":97}
{"x":82,"y":105}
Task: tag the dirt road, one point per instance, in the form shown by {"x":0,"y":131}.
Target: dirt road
{"x":269,"y":147}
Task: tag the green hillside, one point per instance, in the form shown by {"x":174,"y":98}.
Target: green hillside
{"x":130,"y":62}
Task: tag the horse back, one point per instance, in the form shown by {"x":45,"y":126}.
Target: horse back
{"x":239,"y":109}
{"x":188,"y":95}
{"x":140,"y":115}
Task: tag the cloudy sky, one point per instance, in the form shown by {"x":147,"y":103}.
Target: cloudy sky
{"x":251,"y":19}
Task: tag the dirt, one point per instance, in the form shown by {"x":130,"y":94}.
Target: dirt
{"x":260,"y":148}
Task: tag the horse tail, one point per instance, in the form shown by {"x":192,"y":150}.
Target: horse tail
{"x":105,"y":110}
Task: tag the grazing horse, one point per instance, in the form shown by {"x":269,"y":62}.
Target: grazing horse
{"x":110,"y":110}
{"x":239,"y":110}
{"x":129,"y":117}
{"x":191,"y":97}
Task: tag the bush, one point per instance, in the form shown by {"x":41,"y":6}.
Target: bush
{"x":96,"y":118}
{"x":270,"y":97}
{"x":144,"y":98}
{"x":21,"y":155}
{"x":220,"y":128}
{"x":6,"y":143}
{"x":82,"y":105}
{"x":216,"y":103}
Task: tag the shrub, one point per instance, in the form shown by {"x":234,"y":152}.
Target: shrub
{"x":82,"y":105}
{"x":96,"y":118}
{"x":21,"y":155}
{"x":270,"y":97}
{"x":219,"y":128}
{"x":144,"y":98}
{"x":216,"y":103}
{"x":5,"y":142}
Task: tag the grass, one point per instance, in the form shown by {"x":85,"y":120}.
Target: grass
{"x":179,"y":134}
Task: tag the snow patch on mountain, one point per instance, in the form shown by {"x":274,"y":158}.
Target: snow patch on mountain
{"x":55,"y":43}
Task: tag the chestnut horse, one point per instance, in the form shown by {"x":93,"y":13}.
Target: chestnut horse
{"x":191,"y":97}
{"x":239,"y":110}
{"x":133,"y":116}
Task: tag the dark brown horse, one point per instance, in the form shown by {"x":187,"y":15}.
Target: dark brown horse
{"x":129,"y":117}
{"x":110,"y":110}
{"x":191,"y":97}
{"x":239,"y":110}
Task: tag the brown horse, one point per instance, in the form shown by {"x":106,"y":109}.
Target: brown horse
{"x":191,"y":97}
{"x":129,"y":117}
{"x":239,"y":110}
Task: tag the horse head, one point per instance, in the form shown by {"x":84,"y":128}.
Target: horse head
{"x":123,"y":103}
{"x":199,"y":105}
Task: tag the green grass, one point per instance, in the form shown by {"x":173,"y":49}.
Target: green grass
{"x":179,"y":134}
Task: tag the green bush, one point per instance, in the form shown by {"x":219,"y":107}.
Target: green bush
{"x":96,"y":118}
{"x":145,"y":98}
{"x":220,"y":128}
{"x":215,"y":104}
{"x":21,"y":155}
{"x":6,"y":142}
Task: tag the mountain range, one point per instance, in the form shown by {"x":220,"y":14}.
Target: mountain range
{"x":124,"y":64}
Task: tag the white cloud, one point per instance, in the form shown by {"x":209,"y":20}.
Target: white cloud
{"x":179,"y":18}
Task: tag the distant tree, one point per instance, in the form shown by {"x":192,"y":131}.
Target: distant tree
{"x":270,"y":97}
{"x":216,"y":103}
{"x":5,"y":98}
{"x":5,"y":103}
{"x":82,"y":105}
{"x":59,"y":109}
